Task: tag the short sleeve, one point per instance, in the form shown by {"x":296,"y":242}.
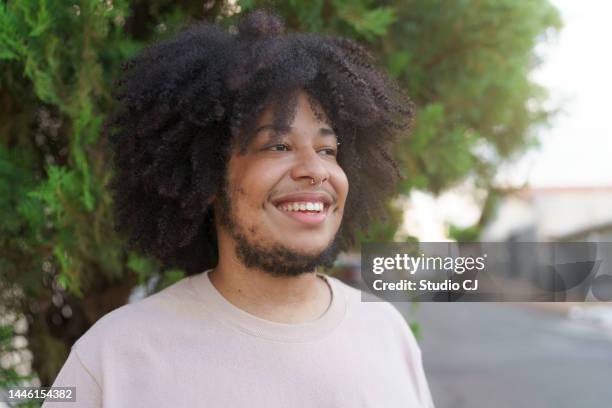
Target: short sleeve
{"x":75,"y":374}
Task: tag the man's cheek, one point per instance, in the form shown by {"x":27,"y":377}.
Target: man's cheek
{"x":240,"y":192}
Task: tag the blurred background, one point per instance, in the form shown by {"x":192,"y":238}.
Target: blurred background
{"x":536,"y":354}
{"x":511,"y":143}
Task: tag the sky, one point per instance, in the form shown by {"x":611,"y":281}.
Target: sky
{"x":576,"y":150}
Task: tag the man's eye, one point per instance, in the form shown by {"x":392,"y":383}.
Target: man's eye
{"x":278,"y":148}
{"x":329,"y":152}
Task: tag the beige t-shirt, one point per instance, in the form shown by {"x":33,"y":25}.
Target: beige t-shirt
{"x":187,"y":346}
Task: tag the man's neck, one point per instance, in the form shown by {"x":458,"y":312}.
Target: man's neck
{"x":296,"y":299}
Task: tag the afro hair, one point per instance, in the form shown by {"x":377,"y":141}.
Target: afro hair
{"x":185,"y":103}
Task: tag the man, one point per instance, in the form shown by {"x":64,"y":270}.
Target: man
{"x":250,"y":160}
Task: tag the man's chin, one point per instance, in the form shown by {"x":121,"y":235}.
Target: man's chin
{"x":282,"y":260}
{"x":305,"y":251}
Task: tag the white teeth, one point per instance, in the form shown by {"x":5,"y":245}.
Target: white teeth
{"x":306,"y":206}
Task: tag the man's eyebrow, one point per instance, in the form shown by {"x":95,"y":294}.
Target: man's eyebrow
{"x":324,"y":131}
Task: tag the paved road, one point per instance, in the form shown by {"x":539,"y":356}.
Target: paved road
{"x":488,"y":355}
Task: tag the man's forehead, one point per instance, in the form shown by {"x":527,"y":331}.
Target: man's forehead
{"x":280,"y":129}
{"x":286,"y":106}
{"x":289,"y":114}
{"x":274,"y":133}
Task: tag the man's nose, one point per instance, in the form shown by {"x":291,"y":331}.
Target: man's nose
{"x":309,"y":166}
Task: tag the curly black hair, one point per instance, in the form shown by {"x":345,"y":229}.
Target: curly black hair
{"x":184,"y":104}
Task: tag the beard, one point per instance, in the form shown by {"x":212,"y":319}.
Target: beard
{"x":275,"y":259}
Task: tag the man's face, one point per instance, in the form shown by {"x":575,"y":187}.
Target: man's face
{"x":284,"y":198}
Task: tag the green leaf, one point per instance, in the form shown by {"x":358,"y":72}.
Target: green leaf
{"x":369,"y":23}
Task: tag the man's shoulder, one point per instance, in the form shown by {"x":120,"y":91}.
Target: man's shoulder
{"x":137,"y":319}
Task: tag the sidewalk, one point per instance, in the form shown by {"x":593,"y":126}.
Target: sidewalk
{"x":482,"y":355}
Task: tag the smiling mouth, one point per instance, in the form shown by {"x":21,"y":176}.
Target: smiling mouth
{"x":303,"y":206}
{"x":305,"y":212}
